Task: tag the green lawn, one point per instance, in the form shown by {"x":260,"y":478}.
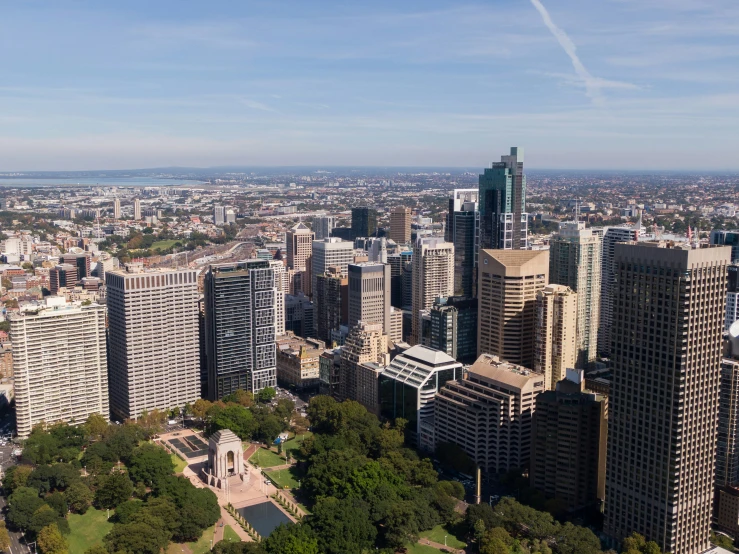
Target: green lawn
{"x":421,"y":549}
{"x":285,"y":477}
{"x":179,"y":463}
{"x":164,"y":244}
{"x":437,"y":535}
{"x":87,"y":530}
{"x":294,"y":444}
{"x":230,"y":535}
{"x":202,"y":546}
{"x":266,"y":458}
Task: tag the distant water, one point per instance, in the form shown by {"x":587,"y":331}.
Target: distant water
{"x":16,"y":182}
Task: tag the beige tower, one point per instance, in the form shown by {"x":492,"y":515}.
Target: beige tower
{"x":400,"y":225}
{"x":117,"y":208}
{"x":556,"y":330}
{"x":663,"y":416}
{"x":299,"y":242}
{"x":366,"y":342}
{"x":369,"y":294}
{"x":136,"y":209}
{"x":508,"y":281}
{"x":574,"y":260}
{"x":433,"y":276}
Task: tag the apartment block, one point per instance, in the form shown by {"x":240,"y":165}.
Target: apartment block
{"x":330,"y":252}
{"x":556,"y":333}
{"x":366,"y":342}
{"x":331,"y":302}
{"x":433,"y":277}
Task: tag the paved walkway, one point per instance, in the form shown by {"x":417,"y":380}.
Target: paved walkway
{"x":427,"y":542}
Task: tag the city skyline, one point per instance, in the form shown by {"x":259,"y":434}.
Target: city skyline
{"x":617,"y":84}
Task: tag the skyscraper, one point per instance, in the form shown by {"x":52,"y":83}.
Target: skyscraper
{"x":323,"y":225}
{"x":369,"y":294}
{"x":400,"y":225}
{"x":433,"y":276}
{"x":568,"y":444}
{"x":240,"y":321}
{"x":219,"y":215}
{"x":556,"y":333}
{"x":454,"y":327}
{"x":366,"y":342}
{"x":154,"y":354}
{"x":663,"y":408}
{"x":81,"y":261}
{"x":299,"y":242}
{"x":117,"y":208}
{"x":732,"y":296}
{"x":62,"y":276}
{"x":503,"y":217}
{"x":507,"y":285}
{"x":59,"y":363}
{"x":574,"y":261}
{"x":330,"y":252}
{"x":364,"y":222}
{"x":281,"y":289}
{"x":136,"y":209}
{"x":462,"y":230}
{"x":331,"y":303}
{"x":727,"y":238}
{"x":608,"y":281}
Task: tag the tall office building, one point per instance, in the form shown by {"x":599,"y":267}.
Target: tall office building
{"x":136,"y":209}
{"x":462,"y":229}
{"x":732,"y":296}
{"x":117,"y":208}
{"x":240,"y":321}
{"x":330,"y":252}
{"x":331,"y":303}
{"x":153,"y":350}
{"x":300,"y":317}
{"x":612,"y":236}
{"x":503,"y":217}
{"x":62,"y":276}
{"x":727,"y":238}
{"x":369,"y":294}
{"x":488,"y":413}
{"x":281,"y":289}
{"x":364,"y":222}
{"x":400,"y":225}
{"x":508,"y":282}
{"x":663,"y":406}
{"x":433,"y":276}
{"x":726,"y":506}
{"x":81,"y":261}
{"x":568,"y":444}
{"x":556,"y":333}
{"x":219,"y":215}
{"x":323,"y":225}
{"x":454,"y":327}
{"x":299,"y":242}
{"x":59,"y":363}
{"x":400,"y":297}
{"x":366,"y":342}
{"x":574,"y":261}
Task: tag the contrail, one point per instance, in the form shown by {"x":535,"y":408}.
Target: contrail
{"x":592,"y":88}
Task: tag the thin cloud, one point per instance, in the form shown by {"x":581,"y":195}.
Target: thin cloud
{"x":593,"y":85}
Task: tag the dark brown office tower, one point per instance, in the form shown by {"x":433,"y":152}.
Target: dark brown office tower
{"x":331,"y":302}
{"x":568,"y":444}
{"x":668,"y":310}
{"x":80,"y":261}
{"x":62,"y":276}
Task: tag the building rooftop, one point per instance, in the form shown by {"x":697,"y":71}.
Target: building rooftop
{"x":493,"y":368}
{"x":428,"y":355}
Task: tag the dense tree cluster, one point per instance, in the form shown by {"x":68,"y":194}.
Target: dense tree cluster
{"x":152,"y":506}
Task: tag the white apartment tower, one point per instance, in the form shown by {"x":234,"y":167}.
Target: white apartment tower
{"x":433,"y":277}
{"x":136,"y":209}
{"x":117,"y":208}
{"x":574,"y":261}
{"x":153,"y":338}
{"x":219,"y":215}
{"x":59,"y":362}
{"x":281,"y":289}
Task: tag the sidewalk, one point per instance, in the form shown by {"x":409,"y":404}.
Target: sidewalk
{"x":427,"y":542}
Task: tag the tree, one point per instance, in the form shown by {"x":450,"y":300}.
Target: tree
{"x":45,"y":515}
{"x":51,"y":541}
{"x":343,"y":526}
{"x":292,"y":539}
{"x":149,"y":463}
{"x":573,"y":539}
{"x":95,"y":426}
{"x":127,"y":509}
{"x":236,"y":418}
{"x":23,"y":503}
{"x":200,"y":408}
{"x":54,"y":477}
{"x":79,"y":497}
{"x":267,"y":394}
{"x":136,"y":538}
{"x":15,"y":477}
{"x":97,"y":549}
{"x":224,"y":547}
{"x":113,"y":489}
{"x":401,"y":526}
{"x":4,"y":537}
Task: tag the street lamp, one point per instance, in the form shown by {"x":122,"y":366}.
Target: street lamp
{"x":445,"y":536}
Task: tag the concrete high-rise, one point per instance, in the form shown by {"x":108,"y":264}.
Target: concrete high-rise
{"x":488,"y":413}
{"x":136,"y":209}
{"x":81,"y":261}
{"x":323,"y":225}
{"x":727,"y":238}
{"x":219,"y":215}
{"x":117,"y":208}
{"x":299,"y":243}
{"x":433,"y":277}
{"x":663,"y":406}
{"x":59,"y":363}
{"x":330,"y":252}
{"x":568,"y":444}
{"x":556,"y":333}
{"x":400,"y":225}
{"x":62,"y":276}
{"x":369,"y":294}
{"x":331,"y":303}
{"x":454,"y":327}
{"x":281,"y":289}
{"x":574,"y":261}
{"x":611,"y":236}
{"x":508,"y":282}
{"x":462,"y":229}
{"x":503,"y":217}
{"x":366,"y":342}
{"x":364,"y":222}
{"x":153,"y":348}
{"x":240,"y":321}
{"x":732,"y":296}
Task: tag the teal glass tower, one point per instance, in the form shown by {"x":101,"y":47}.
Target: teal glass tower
{"x":503,"y":217}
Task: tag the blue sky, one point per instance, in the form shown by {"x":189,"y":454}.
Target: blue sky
{"x":630,"y":84}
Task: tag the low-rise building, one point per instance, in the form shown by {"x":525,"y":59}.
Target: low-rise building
{"x":298,"y":360}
